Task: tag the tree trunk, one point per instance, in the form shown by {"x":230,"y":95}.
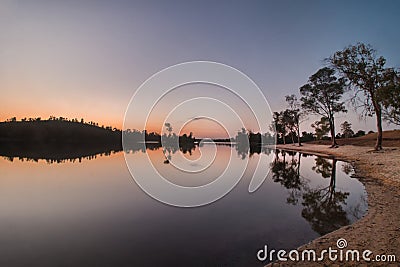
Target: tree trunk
{"x":333,"y":137}
{"x":332,"y":183}
{"x":291,"y":135}
{"x":298,"y":165}
{"x":298,"y":135}
{"x":378,"y":112}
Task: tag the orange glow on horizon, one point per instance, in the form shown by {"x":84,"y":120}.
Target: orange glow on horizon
{"x":200,"y":129}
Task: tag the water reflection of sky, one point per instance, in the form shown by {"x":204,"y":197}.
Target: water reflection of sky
{"x":93,"y":214}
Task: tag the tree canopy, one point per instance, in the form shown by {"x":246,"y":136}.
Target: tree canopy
{"x":345,"y":127}
{"x":294,"y":115}
{"x":322,"y":96}
{"x":390,"y":98}
{"x":321,"y":127}
{"x":368,"y":76}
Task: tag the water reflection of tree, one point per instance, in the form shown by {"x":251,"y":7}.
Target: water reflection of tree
{"x":55,"y":153}
{"x":323,"y":206}
{"x":347,"y":168}
{"x":169,"y":150}
{"x":249,"y":143}
{"x":51,"y":159}
{"x":286,"y":171}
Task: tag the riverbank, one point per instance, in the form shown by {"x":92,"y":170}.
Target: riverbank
{"x":379,"y":229}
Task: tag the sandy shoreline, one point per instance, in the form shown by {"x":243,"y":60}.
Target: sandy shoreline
{"x":379,"y":229}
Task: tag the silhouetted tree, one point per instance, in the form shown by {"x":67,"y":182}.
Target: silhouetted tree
{"x":288,"y":123}
{"x":278,"y":126}
{"x":321,"y":96}
{"x":367,"y":75}
{"x":295,"y":115}
{"x":306,"y":137}
{"x":345,"y":127}
{"x":168,"y":127}
{"x":390,"y":97}
{"x":321,"y":127}
{"x":359,"y":133}
{"x":268,"y":139}
{"x":242,"y":143}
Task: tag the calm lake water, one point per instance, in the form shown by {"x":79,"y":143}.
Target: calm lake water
{"x":92,"y":213}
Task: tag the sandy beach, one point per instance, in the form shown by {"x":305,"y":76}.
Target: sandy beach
{"x":379,"y":229}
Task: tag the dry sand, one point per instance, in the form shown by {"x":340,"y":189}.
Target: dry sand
{"x":379,"y":229}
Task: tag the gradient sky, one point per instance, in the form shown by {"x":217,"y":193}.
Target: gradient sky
{"x":86,"y":58}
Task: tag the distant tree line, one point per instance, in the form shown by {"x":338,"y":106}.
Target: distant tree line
{"x":152,"y":136}
{"x":53,"y":118}
{"x":248,"y":137}
{"x":167,"y":139}
{"x":62,"y":130}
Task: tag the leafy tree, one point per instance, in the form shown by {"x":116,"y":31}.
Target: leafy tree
{"x":390,"y":97}
{"x":321,"y":127}
{"x":288,"y":123}
{"x":268,"y":139}
{"x":368,"y":76}
{"x":294,"y":115}
{"x":359,"y":133}
{"x":278,"y":125}
{"x":305,"y":136}
{"x":242,"y":143}
{"x":346,"y":129}
{"x":168,"y":127}
{"x":321,"y":96}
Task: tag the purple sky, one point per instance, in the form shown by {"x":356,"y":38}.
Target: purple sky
{"x":86,"y":58}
